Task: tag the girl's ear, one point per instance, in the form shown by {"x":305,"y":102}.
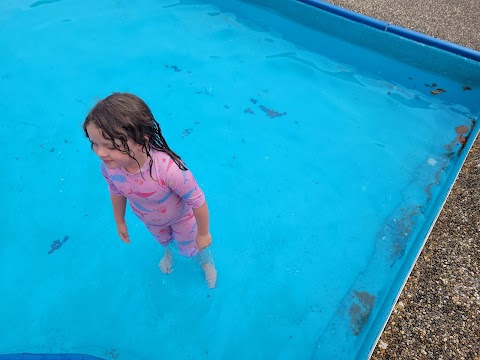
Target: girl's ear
{"x":146,"y":140}
{"x":145,"y":144}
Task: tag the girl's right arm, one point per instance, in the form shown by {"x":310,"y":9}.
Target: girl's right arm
{"x":119,"y":204}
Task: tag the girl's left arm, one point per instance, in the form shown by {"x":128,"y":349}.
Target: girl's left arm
{"x":202,"y":217}
{"x":184,"y":185}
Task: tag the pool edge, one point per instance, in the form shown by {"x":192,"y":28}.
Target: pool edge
{"x":456,"y":171}
{"x":429,"y":41}
{"x":395,"y":29}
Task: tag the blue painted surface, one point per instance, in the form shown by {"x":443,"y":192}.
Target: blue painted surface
{"x":317,"y":212}
{"x":394,"y":29}
{"x":428,"y":40}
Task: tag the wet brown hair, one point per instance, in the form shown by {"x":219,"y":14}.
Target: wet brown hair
{"x":123,"y":116}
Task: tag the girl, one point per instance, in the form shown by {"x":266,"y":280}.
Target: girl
{"x":139,"y":166}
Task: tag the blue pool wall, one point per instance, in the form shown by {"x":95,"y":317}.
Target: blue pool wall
{"x":383,"y":310}
{"x":394,"y":29}
{"x":363,"y":344}
{"x":391,"y":296}
{"x":390,"y":45}
{"x":415,"y":54}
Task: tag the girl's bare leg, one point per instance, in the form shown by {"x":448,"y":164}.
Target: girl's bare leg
{"x":204,"y":257}
{"x":166,"y":263}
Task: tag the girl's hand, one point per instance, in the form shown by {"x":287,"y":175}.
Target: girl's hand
{"x":123,"y":232}
{"x":203,"y":241}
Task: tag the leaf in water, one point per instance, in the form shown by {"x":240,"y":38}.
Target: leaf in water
{"x":436,"y":92}
{"x":462,"y":130}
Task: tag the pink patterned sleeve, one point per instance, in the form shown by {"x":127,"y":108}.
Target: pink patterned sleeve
{"x":183,"y":184}
{"x":113,"y":190}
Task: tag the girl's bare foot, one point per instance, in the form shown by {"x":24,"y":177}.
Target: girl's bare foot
{"x":166,"y":263}
{"x":210,"y":274}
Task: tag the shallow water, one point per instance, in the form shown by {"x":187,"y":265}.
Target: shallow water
{"x":321,"y":178}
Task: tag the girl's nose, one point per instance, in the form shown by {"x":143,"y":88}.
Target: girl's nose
{"x":100,"y":151}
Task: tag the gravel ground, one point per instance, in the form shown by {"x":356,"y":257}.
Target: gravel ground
{"x":438,"y":313}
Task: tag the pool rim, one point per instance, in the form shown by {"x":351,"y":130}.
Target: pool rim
{"x":428,"y":41}
{"x":395,"y":29}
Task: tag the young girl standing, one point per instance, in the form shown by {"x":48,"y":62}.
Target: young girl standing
{"x":140,"y":167}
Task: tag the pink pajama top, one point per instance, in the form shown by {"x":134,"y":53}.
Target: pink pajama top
{"x":161,"y":200}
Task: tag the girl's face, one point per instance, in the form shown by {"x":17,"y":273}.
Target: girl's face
{"x":112,"y":157}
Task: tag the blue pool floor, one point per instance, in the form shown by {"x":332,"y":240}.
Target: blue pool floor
{"x":321,"y":179}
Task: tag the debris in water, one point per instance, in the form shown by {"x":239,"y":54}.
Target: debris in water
{"x":57,"y":244}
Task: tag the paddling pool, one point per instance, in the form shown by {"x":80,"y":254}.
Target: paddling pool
{"x":326,"y":148}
